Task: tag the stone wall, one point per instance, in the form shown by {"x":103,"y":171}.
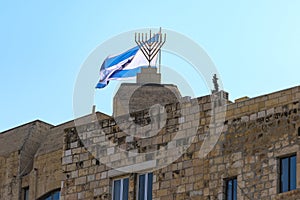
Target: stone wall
{"x":30,"y":156}
{"x":18,"y":147}
{"x":255,"y":134}
{"x":8,"y":178}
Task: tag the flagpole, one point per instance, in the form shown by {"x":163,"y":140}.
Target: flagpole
{"x":159,"y":61}
{"x":159,"y":52}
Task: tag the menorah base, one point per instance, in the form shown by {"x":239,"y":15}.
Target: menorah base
{"x":148,"y":75}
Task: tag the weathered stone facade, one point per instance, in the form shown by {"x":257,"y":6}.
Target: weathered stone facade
{"x":30,"y":157}
{"x":256,"y":133}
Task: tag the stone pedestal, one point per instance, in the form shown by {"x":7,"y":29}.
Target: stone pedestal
{"x":146,"y":92}
{"x":148,"y":75}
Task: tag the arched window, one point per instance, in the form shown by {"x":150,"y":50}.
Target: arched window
{"x":53,"y":195}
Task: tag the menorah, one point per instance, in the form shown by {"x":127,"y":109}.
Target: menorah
{"x":150,"y":47}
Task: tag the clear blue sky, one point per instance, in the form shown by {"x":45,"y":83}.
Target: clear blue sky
{"x":254,"y":44}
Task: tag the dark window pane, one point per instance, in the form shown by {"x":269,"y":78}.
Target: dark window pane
{"x":229,"y":190}
{"x":145,"y":186}
{"x":234,"y":189}
{"x":284,"y":175}
{"x":125,"y":188}
{"x":293,"y":166}
{"x":149,"y":190}
{"x":141,"y":187}
{"x":56,"y":196}
{"x":26,"y":193}
{"x":117,"y":189}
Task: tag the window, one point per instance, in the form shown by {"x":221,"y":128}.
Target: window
{"x":120,"y":189}
{"x":53,"y":195}
{"x":26,"y":193}
{"x":288,"y":173}
{"x":231,"y":189}
{"x":145,"y":186}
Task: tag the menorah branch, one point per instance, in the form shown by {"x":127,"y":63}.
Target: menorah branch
{"x":150,"y":47}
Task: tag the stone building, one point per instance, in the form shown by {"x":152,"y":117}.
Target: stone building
{"x":255,"y":155}
{"x":30,"y":160}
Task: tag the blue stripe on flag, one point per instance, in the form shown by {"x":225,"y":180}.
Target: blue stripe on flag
{"x":125,"y":73}
{"x":101,"y":85}
{"x":119,"y":58}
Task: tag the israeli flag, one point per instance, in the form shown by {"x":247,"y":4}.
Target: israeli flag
{"x":124,"y":66}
